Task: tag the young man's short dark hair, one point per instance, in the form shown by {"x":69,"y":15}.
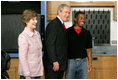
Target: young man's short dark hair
{"x":79,"y":12}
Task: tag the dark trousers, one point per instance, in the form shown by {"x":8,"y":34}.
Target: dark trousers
{"x":23,"y":77}
{"x":50,"y":74}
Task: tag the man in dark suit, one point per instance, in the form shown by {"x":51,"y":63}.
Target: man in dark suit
{"x":55,"y":55}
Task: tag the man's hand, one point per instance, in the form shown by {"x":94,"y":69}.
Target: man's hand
{"x":55,"y":66}
{"x":89,"y":68}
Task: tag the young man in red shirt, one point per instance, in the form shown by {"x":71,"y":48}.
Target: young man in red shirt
{"x":79,"y":47}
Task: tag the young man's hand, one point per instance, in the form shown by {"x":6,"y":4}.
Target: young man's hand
{"x":89,"y":68}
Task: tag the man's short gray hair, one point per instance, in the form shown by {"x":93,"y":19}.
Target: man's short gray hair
{"x":61,"y":7}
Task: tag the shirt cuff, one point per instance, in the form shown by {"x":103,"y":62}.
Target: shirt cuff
{"x":27,"y":74}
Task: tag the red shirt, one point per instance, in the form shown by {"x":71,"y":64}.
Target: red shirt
{"x":77,"y":30}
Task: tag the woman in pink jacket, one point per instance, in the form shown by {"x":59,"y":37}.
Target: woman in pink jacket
{"x":30,"y":48}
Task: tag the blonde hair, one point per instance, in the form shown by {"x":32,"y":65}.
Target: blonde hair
{"x":27,"y":15}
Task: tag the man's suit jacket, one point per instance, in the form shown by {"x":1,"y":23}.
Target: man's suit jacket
{"x":55,"y":45}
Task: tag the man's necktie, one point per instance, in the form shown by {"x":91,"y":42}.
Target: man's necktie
{"x":64,"y":26}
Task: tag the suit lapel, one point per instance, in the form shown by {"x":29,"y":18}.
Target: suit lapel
{"x":61,"y":25}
